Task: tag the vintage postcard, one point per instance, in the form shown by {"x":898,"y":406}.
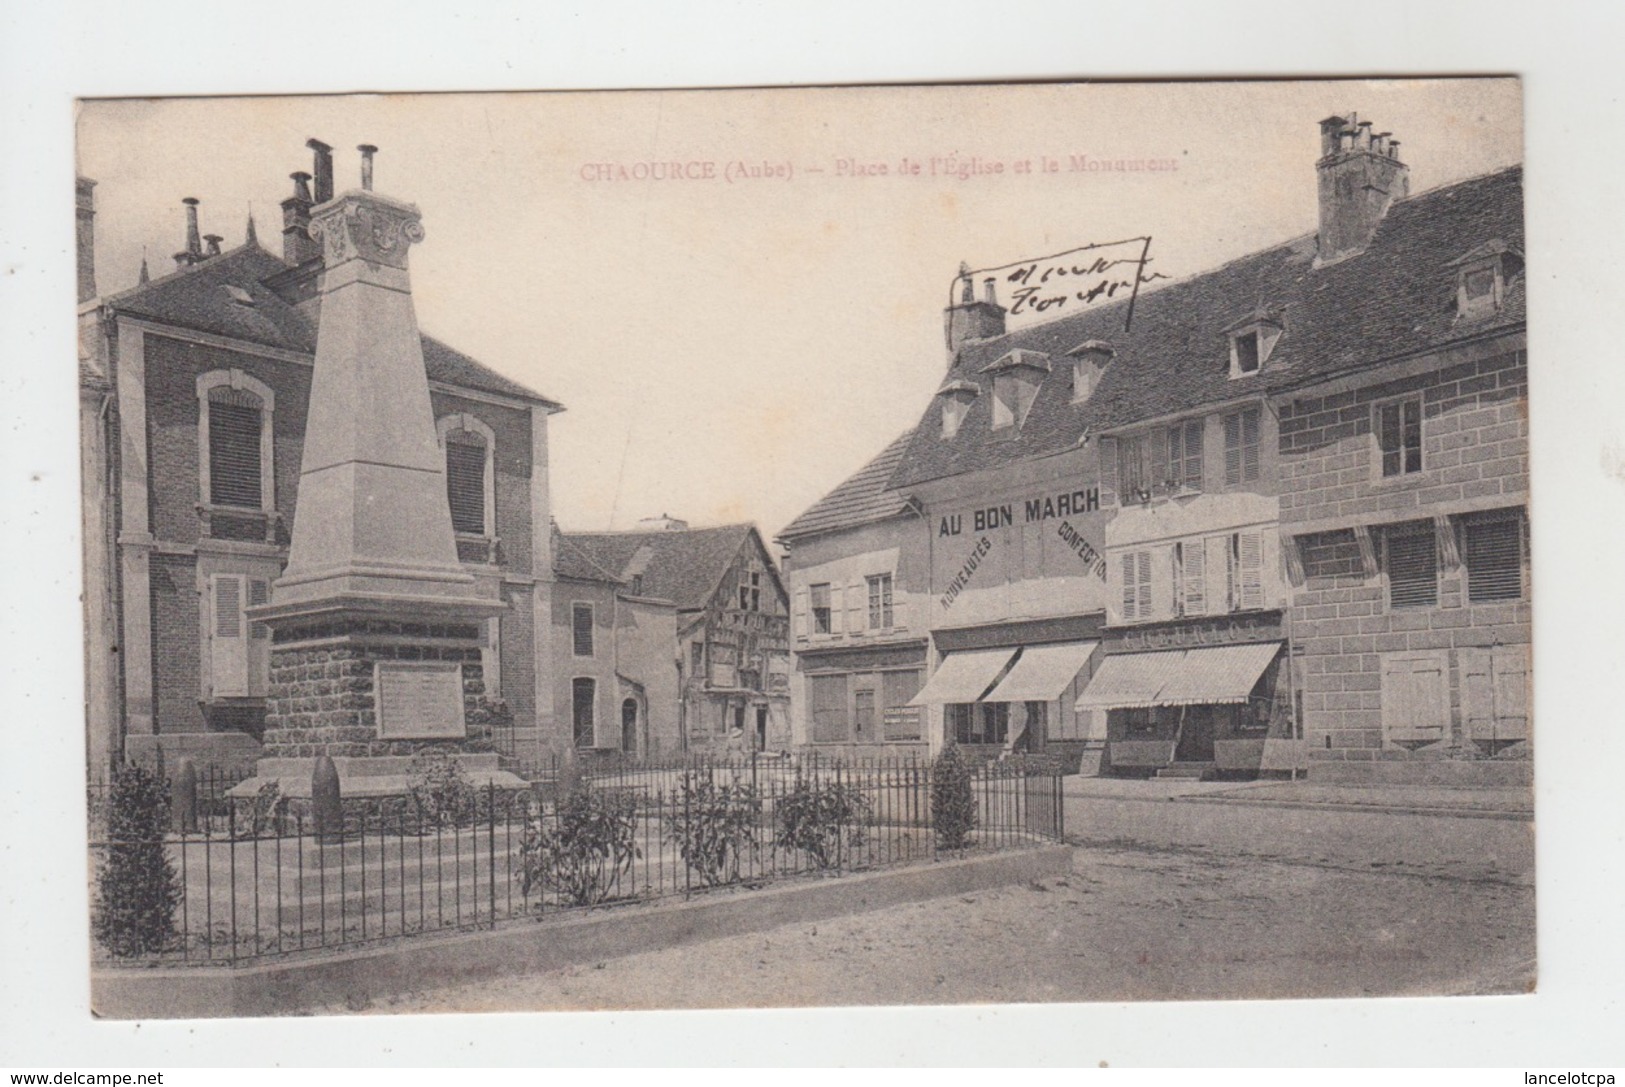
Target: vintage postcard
{"x":805,"y":547}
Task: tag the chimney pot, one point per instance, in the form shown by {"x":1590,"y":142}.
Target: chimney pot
{"x":214,"y":241}
{"x":194,"y":242}
{"x":301,"y":185}
{"x":367,"y":151}
{"x":987,"y":292}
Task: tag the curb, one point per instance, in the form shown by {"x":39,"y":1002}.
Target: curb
{"x":357,"y":978}
{"x":1377,"y":809}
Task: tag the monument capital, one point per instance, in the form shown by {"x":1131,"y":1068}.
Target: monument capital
{"x":364,"y":224}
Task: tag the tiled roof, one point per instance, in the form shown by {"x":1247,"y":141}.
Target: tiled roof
{"x":1397,"y":298}
{"x":860,"y":500}
{"x":684,"y":565}
{"x":203,"y":298}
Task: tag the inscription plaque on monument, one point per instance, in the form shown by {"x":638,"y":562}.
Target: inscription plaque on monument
{"x":419,"y":701}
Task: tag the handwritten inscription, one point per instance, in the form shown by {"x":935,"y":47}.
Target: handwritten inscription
{"x":420,"y":701}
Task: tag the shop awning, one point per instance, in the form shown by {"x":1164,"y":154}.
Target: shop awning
{"x":1043,"y":673}
{"x":1125,"y":680}
{"x":963,"y":676}
{"x":1219,"y":673}
{"x":1183,"y":677}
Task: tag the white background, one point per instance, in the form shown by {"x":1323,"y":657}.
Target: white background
{"x":1574,"y":122}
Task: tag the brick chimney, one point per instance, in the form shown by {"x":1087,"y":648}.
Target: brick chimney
{"x":969,"y":319}
{"x":323,"y":169}
{"x":297,"y":245}
{"x":85,"y":210}
{"x":193,"y":253}
{"x":1360,"y":177}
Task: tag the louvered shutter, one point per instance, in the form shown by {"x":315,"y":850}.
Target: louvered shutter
{"x":1219,"y":591}
{"x":1191,"y":474}
{"x":234,"y":450}
{"x":1232,"y":450}
{"x":259,"y":640}
{"x":801,"y":614}
{"x":465,"y":483}
{"x":856,"y":604}
{"x":1249,"y":445}
{"x":1108,"y":471}
{"x":1250,"y":547}
{"x":1158,"y":578}
{"x":228,"y":646}
{"x":1159,"y":458}
{"x":1494,"y":558}
{"x":1510,"y":665}
{"x":1130,"y":595}
{"x":1193,"y":571}
{"x":1413,"y":566}
{"x":837,"y":608}
{"x":1143,"y":603}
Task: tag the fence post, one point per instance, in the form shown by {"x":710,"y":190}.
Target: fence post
{"x":326,"y":801}
{"x":183,"y":798}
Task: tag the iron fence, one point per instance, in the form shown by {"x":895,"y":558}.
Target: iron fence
{"x":267,"y":875}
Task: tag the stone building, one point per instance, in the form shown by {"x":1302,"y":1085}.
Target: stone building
{"x":195,"y":395}
{"x":727,"y":666}
{"x":1260,"y":519}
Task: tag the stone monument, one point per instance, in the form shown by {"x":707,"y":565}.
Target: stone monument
{"x":375,"y":627}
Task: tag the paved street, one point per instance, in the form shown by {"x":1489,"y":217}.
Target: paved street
{"x":1168,"y":899}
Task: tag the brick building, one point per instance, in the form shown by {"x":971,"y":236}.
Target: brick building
{"x":194,"y":391}
{"x":1293,"y":489}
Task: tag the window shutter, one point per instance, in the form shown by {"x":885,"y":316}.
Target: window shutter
{"x":1193,"y":570}
{"x":581,"y":629}
{"x":465,"y":483}
{"x":856,"y":604}
{"x":1191,"y":476}
{"x":1218,"y":589}
{"x":234,"y":451}
{"x":259,"y":641}
{"x":837,"y":609}
{"x":1159,"y":457}
{"x":829,"y":708}
{"x":1158,"y":577}
{"x":1494,"y":559}
{"x":1510,"y":665}
{"x":1142,"y":585}
{"x":228,"y":652}
{"x":1415,"y":698}
{"x":1251,"y":591}
{"x":1108,"y":471}
{"x":1249,"y":445}
{"x":1130,"y":594}
{"x":1477,"y":693}
{"x":801,"y":614}
{"x":1232,"y":450}
{"x":1413,"y":580}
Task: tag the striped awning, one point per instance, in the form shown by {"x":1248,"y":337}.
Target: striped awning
{"x":1043,"y":672}
{"x":1179,"y":677}
{"x":963,"y":677}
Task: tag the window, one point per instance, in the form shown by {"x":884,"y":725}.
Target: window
{"x":1089,"y":359}
{"x":863,"y":710}
{"x":1190,"y":577}
{"x":1133,"y":480}
{"x":829,"y":708}
{"x":581,"y":629}
{"x":469,"y":446}
{"x":1013,"y":396}
{"x":1246,"y":357}
{"x":1246,"y":571}
{"x":880,"y":609}
{"x":1412,"y":563}
{"x":239,"y":651}
{"x":234,"y":438}
{"x":1241,"y":447}
{"x":979,"y":723}
{"x":697,"y":660}
{"x":1136,"y":567}
{"x":1185,"y":455}
{"x":1482,"y":275}
{"x":750,"y":591}
{"x":1252,"y":339}
{"x":820,"y":608}
{"x":1493,"y":555}
{"x":584,"y":693}
{"x":954,"y":410}
{"x":1399,"y":436}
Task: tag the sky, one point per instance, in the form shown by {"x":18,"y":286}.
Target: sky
{"x":732,"y":343}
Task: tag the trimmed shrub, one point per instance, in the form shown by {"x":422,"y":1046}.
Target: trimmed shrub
{"x":713,"y":826}
{"x":953,"y":804}
{"x":137,"y":889}
{"x":581,"y":852}
{"x":819,"y":817}
{"x":441,"y":790}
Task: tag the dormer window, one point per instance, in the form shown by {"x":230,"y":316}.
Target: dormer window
{"x":1482,"y":275}
{"x":1252,"y":339}
{"x":956,"y":399}
{"x":1016,"y":377}
{"x":1089,"y":359}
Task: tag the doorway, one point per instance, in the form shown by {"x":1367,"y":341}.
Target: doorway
{"x":629,"y":726}
{"x":1195,"y":735}
{"x":761,"y":728}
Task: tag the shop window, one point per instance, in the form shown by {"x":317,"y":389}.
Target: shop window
{"x":1185,"y":456}
{"x":880,"y":602}
{"x":980,"y":722}
{"x":821,"y":616}
{"x":830,"y":722}
{"x":1398,"y":427}
{"x":1139,"y":722}
{"x":1493,"y":555}
{"x":1241,"y":447}
{"x":899,"y":720}
{"x":581,"y":619}
{"x":584,"y":695}
{"x":1411,"y":561}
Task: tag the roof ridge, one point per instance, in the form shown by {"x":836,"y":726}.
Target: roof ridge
{"x":180,"y":273}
